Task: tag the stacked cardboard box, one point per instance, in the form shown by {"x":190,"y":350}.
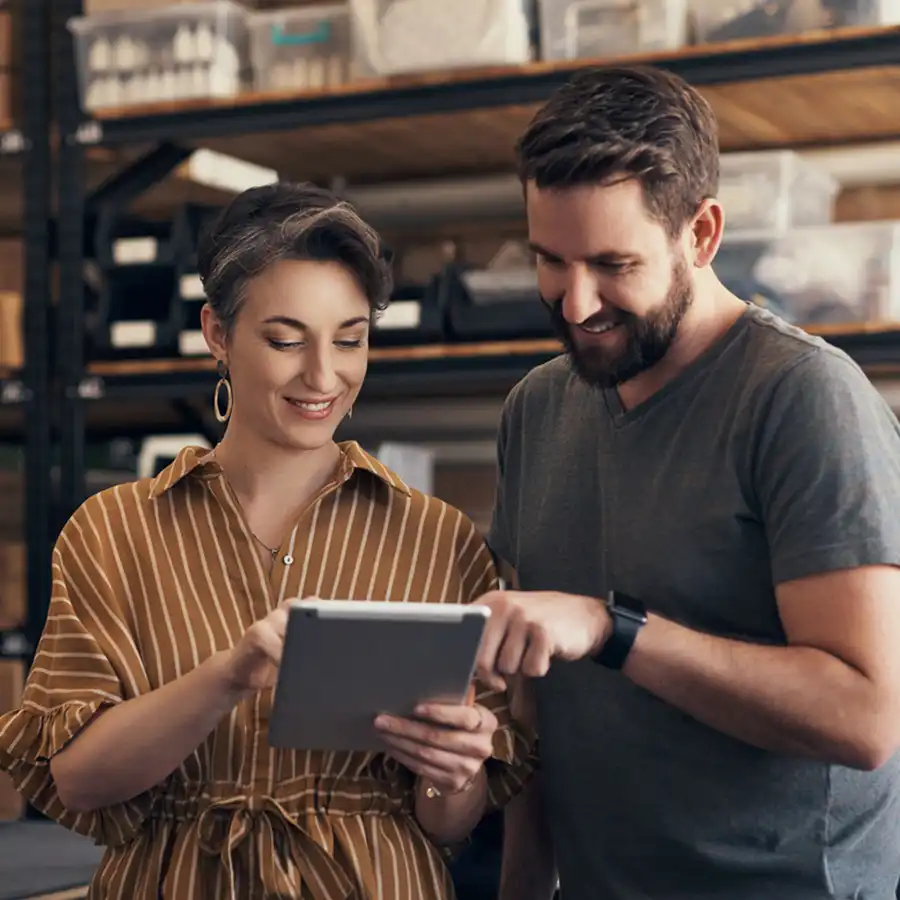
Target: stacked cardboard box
{"x":13,"y":586}
{"x":12,"y":355}
{"x":10,"y":62}
{"x":12,"y":681}
{"x":470,"y":487}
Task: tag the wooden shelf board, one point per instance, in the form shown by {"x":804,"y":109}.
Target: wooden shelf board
{"x":481,"y":350}
{"x":811,"y":111}
{"x":842,"y":106}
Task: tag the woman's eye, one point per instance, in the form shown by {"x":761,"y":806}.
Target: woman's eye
{"x":283,"y":345}
{"x":350,"y":345}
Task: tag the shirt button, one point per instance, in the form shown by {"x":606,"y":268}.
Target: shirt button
{"x":288,"y":560}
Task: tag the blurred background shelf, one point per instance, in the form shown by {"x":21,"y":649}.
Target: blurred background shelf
{"x":458,"y":122}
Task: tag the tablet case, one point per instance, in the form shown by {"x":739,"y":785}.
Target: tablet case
{"x":340,"y":671}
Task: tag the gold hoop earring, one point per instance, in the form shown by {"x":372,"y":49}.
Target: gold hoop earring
{"x":223,"y":384}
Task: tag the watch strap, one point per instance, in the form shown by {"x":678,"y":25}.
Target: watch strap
{"x":628,"y":616}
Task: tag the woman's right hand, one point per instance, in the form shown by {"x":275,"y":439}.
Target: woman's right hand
{"x":252,"y":664}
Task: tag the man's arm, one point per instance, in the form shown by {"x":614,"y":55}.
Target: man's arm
{"x":824,"y":474}
{"x":833,"y":693}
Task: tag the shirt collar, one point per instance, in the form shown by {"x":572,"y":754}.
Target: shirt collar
{"x":200,"y":460}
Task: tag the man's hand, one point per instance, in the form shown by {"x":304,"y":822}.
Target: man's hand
{"x":527,"y":630}
{"x":447,"y":746}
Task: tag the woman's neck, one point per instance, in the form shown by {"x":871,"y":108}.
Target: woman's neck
{"x":258,"y":469}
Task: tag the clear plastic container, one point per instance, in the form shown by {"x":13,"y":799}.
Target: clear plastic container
{"x":604,"y":29}
{"x":837,"y":274}
{"x":193,"y":50}
{"x":308,"y":48}
{"x":392,"y":37}
{"x":773,"y":191}
{"x":713,"y":21}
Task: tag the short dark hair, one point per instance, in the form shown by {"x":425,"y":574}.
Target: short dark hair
{"x":264,"y":225}
{"x":619,"y":122}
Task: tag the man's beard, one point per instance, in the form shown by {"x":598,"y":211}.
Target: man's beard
{"x":647,"y":338}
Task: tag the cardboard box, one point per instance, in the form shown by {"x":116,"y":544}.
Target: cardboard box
{"x":13,"y":585}
{"x":470,"y":487}
{"x":12,"y":265}
{"x":10,"y":63}
{"x":12,"y":509}
{"x":12,"y":683}
{"x":12,"y":347}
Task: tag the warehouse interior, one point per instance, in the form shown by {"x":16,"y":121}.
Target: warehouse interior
{"x":126,"y":124}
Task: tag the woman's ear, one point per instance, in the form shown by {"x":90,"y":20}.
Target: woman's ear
{"x":214,"y":333}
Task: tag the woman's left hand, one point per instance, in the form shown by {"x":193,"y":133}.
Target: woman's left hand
{"x":446,"y":745}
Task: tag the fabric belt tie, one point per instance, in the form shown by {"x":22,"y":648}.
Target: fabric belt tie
{"x":225,"y":824}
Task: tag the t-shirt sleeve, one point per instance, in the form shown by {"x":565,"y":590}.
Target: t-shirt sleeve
{"x":514,"y":758}
{"x":826,"y":470}
{"x":499,"y":537}
{"x":86,"y":662}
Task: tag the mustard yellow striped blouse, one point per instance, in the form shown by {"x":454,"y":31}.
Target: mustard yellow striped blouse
{"x":151,"y":578}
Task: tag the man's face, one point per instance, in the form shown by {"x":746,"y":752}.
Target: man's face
{"x":616,"y":284}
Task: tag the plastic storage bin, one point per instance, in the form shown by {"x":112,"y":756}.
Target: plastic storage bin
{"x":576,"y":29}
{"x":727,"y":20}
{"x":774,"y":191}
{"x":401,"y":36}
{"x":193,"y":50}
{"x":302,"y":49}
{"x":415,"y":315}
{"x":835,"y":274}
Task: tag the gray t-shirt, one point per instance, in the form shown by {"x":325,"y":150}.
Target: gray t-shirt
{"x":771,"y":458}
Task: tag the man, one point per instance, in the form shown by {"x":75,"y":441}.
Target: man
{"x":724,"y":723}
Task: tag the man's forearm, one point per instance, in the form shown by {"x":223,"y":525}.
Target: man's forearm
{"x":798,"y":701}
{"x":529,"y":865}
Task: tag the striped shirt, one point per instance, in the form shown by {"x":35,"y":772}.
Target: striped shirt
{"x":151,"y":578}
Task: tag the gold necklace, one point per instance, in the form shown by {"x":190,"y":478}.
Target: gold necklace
{"x":272,"y":551}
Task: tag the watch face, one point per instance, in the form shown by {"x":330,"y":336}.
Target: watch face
{"x":626,"y":605}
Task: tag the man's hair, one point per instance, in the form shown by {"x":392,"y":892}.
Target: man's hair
{"x":616,"y":123}
{"x":264,"y":225}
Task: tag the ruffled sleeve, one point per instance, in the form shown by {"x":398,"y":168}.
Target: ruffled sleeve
{"x":86,"y":661}
{"x":514,"y":760}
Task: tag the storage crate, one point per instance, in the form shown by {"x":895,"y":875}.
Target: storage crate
{"x":712,"y":21}
{"x":837,"y":274}
{"x":308,"y":48}
{"x":402,"y":36}
{"x":189,"y":51}
{"x":774,"y":191}
{"x":605,"y":29}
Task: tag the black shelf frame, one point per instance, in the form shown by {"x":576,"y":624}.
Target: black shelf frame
{"x":258,"y":114}
{"x":32,"y":387}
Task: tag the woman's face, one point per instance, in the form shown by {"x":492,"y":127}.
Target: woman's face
{"x":297,"y":352}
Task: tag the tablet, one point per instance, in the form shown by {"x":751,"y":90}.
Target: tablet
{"x":347,"y":661}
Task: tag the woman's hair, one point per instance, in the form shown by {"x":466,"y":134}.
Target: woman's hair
{"x":264,"y":225}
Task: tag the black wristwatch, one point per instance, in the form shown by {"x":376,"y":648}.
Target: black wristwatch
{"x":628,"y":616}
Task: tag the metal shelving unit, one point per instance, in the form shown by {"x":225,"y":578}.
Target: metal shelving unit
{"x":30,"y":389}
{"x":701,"y":66}
{"x":175,"y":129}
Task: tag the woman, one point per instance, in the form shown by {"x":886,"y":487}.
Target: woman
{"x":144,"y":721}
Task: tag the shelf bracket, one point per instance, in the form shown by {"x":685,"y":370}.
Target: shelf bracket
{"x":123,"y":188}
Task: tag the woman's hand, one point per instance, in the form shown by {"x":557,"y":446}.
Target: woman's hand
{"x":252,"y":664}
{"x":445,"y":745}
